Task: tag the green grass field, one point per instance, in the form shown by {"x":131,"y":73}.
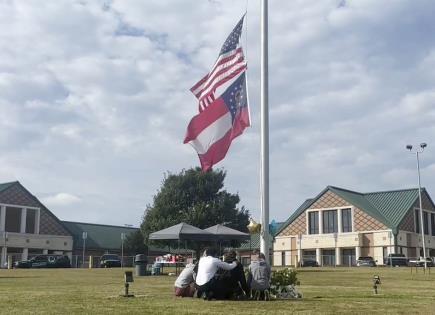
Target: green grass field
{"x":325,"y":290}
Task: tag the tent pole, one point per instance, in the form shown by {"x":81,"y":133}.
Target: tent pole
{"x":250,"y":249}
{"x":176,"y":263}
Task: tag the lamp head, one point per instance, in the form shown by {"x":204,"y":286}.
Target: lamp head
{"x":409,"y":147}
{"x":423,"y":145}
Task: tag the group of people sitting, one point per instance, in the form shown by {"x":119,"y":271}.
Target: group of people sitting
{"x":212,"y":278}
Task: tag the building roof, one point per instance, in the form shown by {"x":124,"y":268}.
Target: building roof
{"x":393,"y":205}
{"x":388,"y":207}
{"x":254,"y":242}
{"x":16,"y":193}
{"x":100,"y":236}
{"x":4,"y":186}
{"x":295,"y":214}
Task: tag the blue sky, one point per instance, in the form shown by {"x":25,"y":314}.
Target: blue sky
{"x":94,"y":99}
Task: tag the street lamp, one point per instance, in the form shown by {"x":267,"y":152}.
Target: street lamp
{"x":122,"y":249}
{"x":417,"y":152}
{"x":84,"y":237}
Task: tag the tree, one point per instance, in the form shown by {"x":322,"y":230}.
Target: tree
{"x":134,"y":243}
{"x":196,"y":198}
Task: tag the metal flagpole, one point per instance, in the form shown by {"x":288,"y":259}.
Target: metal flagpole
{"x":421,"y":214}
{"x":264,"y":176}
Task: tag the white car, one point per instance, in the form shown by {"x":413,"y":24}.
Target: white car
{"x":420,"y":262}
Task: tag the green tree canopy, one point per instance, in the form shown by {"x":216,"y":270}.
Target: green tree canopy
{"x":134,"y":243}
{"x":196,"y":198}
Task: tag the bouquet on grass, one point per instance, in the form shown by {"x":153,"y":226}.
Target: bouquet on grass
{"x":283,"y":284}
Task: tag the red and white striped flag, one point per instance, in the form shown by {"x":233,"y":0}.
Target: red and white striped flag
{"x":222,"y":116}
{"x":229,"y":64}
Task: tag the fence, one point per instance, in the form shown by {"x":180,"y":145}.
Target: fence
{"x":11,"y":259}
{"x":346,"y":260}
{"x":94,"y":261}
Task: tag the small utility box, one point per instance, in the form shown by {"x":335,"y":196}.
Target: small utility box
{"x":128,"y":278}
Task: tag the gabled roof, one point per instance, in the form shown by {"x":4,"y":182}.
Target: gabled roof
{"x":388,"y":207}
{"x":5,"y":186}
{"x":394,"y":204}
{"x":359,"y":200}
{"x":100,"y":236}
{"x":295,"y":214}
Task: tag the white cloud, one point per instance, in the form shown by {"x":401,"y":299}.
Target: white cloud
{"x":94,"y":98}
{"x":60,"y":199}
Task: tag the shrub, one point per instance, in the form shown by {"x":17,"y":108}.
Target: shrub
{"x":284,"y":277}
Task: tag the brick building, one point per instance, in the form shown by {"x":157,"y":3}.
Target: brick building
{"x":27,"y":227}
{"x":339,"y":225}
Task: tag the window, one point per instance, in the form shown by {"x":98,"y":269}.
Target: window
{"x":348,"y":257}
{"x":330,"y":221}
{"x":432,"y":220}
{"x":417,"y":221}
{"x":313,"y":222}
{"x":30,"y":221}
{"x":13,"y":219}
{"x":346,"y":220}
{"x":426,"y":222}
{"x":328,"y":256}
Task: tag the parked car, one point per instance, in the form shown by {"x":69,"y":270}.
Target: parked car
{"x":109,"y":261}
{"x":366,"y":261}
{"x":396,"y":260}
{"x":45,"y":261}
{"x":420,"y":262}
{"x":310,"y":263}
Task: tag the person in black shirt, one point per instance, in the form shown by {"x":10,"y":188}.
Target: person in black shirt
{"x":231,"y":284}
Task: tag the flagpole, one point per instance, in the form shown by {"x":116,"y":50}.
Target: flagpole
{"x":264,"y":176}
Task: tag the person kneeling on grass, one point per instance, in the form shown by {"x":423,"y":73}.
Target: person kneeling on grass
{"x":185,"y":283}
{"x":231,"y":284}
{"x":259,"y":273}
{"x":207,"y":268}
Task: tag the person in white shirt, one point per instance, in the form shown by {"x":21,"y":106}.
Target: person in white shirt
{"x":207,"y":268}
{"x":185,"y":283}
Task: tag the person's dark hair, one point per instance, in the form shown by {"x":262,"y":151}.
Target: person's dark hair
{"x":230,"y":256}
{"x":261,"y":256}
{"x":256,"y":252}
{"x":210,"y":252}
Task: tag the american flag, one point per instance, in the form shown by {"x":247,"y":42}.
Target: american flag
{"x":223,"y":104}
{"x":229,"y":64}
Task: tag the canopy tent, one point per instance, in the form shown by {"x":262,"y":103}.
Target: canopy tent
{"x":223,"y":232}
{"x":182,"y":231}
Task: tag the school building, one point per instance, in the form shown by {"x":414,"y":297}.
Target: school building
{"x":339,"y":225}
{"x":27,"y":227}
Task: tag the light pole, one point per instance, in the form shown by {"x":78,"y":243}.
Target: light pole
{"x":84,"y":237}
{"x":122,"y":249}
{"x":4,"y":257}
{"x":417,"y":152}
